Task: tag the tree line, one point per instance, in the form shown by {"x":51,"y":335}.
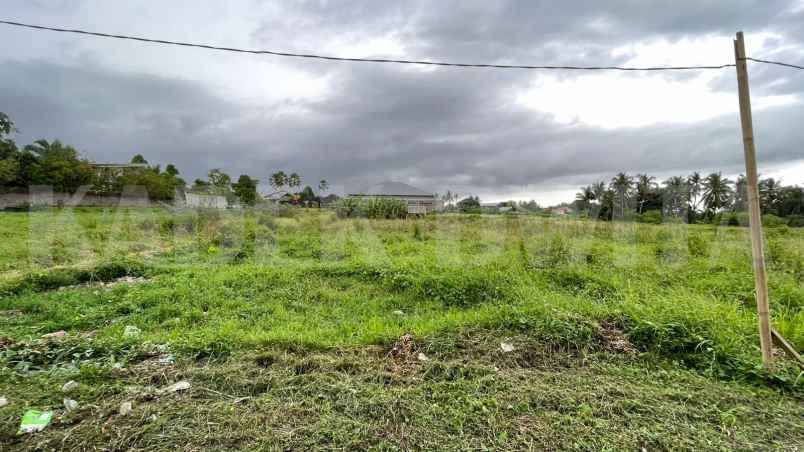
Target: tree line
{"x":694,"y":198}
{"x":62,"y":167}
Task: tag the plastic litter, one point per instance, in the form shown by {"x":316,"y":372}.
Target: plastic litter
{"x":166,"y":359}
{"x":70,"y":404}
{"x":69,"y":386}
{"x":3,"y":402}
{"x":54,"y":334}
{"x":422,"y":357}
{"x":34,"y":421}
{"x":506,"y":347}
{"x":180,"y":386}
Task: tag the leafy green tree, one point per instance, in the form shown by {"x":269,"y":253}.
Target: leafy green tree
{"x":171,"y":170}
{"x":59,"y":166}
{"x":6,"y":125}
{"x":791,"y":201}
{"x":469,"y":205}
{"x":246,"y":190}
{"x":139,"y":159}
{"x":219,"y":180}
{"x":9,"y":154}
{"x":201,"y":185}
{"x":308,"y":197}
{"x":9,"y":167}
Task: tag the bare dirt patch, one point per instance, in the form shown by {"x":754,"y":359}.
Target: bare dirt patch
{"x":614,"y":339}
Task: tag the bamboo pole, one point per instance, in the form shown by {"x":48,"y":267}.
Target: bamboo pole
{"x":755,"y":218}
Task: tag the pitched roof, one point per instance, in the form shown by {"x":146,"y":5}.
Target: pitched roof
{"x":393,"y":189}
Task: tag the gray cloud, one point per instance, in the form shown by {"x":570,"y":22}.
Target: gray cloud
{"x":440,"y":129}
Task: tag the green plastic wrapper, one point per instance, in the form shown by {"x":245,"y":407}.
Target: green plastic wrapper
{"x":34,"y":421}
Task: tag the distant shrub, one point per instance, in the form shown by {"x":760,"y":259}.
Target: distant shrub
{"x":61,"y":277}
{"x":795,"y":221}
{"x":167,"y":225}
{"x":772,"y":221}
{"x":376,"y":208}
{"x":417,"y":231}
{"x":385,"y":208}
{"x":650,"y":217}
{"x":348,"y":208}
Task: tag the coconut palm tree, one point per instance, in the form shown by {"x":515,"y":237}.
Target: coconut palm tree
{"x":644,"y":186}
{"x":769,"y":195}
{"x":599,"y":189}
{"x":740,"y":198}
{"x":717,"y":193}
{"x":694,"y":193}
{"x":676,"y":195}
{"x":585,"y":197}
{"x":622,"y":185}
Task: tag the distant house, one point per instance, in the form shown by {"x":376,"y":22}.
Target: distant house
{"x":204,"y":200}
{"x":419,"y":201}
{"x":561,"y":210}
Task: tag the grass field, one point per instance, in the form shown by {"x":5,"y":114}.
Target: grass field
{"x":305,"y":331}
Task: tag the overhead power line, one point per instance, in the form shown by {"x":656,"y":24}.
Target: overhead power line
{"x":384,"y":60}
{"x":757,"y":60}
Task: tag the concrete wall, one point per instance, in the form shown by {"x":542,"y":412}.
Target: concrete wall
{"x":43,"y":196}
{"x":205,"y":201}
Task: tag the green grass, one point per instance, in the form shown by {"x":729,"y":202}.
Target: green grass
{"x":299,"y":314}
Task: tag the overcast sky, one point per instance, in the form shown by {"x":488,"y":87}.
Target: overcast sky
{"x":499,"y":134}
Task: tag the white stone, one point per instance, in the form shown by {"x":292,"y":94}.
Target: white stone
{"x":125,"y":409}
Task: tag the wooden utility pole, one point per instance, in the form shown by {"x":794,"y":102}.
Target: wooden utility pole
{"x":755,"y":217}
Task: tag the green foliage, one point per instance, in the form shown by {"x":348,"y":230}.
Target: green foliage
{"x":246,"y":190}
{"x":61,"y":277}
{"x":349,"y":208}
{"x":697,"y":244}
{"x":772,"y":221}
{"x":651,"y":217}
{"x":387,"y":208}
{"x":469,"y":205}
{"x":376,"y":208}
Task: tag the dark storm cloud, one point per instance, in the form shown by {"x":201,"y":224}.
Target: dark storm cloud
{"x":440,"y":129}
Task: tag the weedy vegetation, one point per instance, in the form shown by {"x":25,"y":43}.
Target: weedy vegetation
{"x":357,"y":329}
